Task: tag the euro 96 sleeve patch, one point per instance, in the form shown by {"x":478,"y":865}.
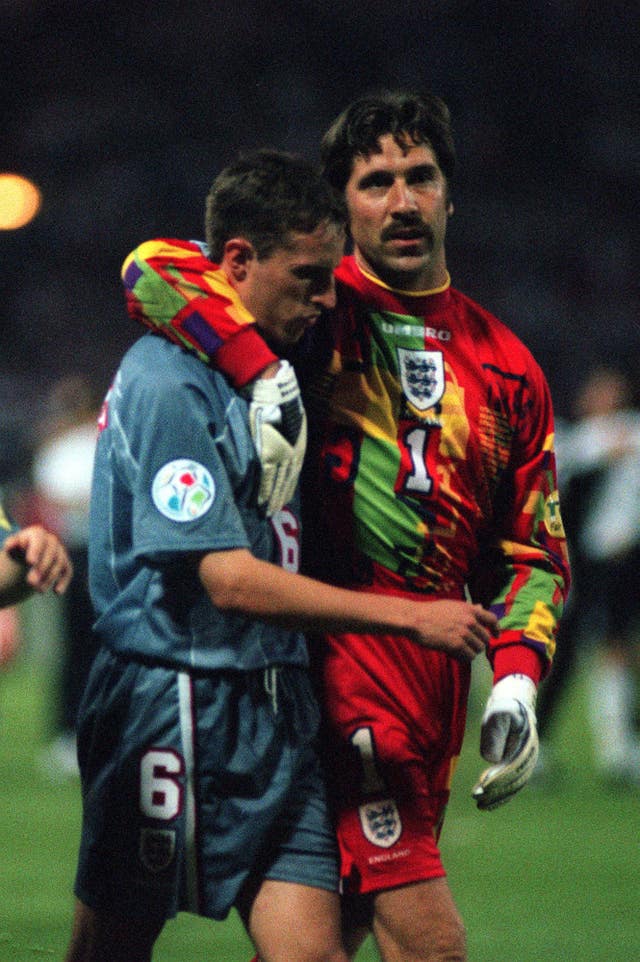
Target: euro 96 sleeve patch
{"x":183,"y":490}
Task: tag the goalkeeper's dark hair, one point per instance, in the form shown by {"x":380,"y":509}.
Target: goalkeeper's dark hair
{"x":419,"y":118}
{"x":265,"y":195}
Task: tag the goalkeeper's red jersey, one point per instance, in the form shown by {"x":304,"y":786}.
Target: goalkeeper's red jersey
{"x":431,"y":464}
{"x":435,"y":466}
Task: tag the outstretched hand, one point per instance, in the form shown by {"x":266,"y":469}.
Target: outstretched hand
{"x":43,"y":555}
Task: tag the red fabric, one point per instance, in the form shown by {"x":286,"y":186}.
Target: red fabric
{"x":244,"y":356}
{"x":517,"y":659}
{"x":396,"y":716}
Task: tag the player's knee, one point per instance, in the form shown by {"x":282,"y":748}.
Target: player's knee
{"x":104,"y":937}
{"x":82,"y":940}
{"x":443,"y":942}
{"x":423,"y":925}
{"x":448,"y":943}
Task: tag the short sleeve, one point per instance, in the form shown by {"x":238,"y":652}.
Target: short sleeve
{"x":179,"y":445}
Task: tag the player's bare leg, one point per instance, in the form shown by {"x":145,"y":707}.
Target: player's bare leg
{"x":419,"y":923}
{"x":288,"y":921}
{"x":104,"y":937}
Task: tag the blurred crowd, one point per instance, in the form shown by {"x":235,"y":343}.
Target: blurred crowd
{"x":124,"y":120}
{"x":54,"y":491}
{"x":598,"y":454}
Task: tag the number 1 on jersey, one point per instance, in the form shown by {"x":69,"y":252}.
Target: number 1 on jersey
{"x":418,"y":480}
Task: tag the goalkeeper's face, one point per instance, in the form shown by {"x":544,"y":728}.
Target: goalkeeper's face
{"x":398,"y":202}
{"x":287,"y":291}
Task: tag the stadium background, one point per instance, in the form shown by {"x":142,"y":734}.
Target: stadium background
{"x":122,"y":112}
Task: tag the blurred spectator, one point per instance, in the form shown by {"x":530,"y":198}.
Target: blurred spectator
{"x":62,"y":469}
{"x":599,"y":473}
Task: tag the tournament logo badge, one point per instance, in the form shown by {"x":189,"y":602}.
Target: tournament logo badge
{"x":157,"y":848}
{"x":183,"y":490}
{"x":381,"y":822}
{"x":422,"y":377}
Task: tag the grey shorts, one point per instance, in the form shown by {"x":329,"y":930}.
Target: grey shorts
{"x":197,"y":784}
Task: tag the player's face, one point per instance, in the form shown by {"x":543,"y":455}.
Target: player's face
{"x":287,"y":290}
{"x":398,"y":208}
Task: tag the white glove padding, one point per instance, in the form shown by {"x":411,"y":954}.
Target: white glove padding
{"x":278,"y":426}
{"x":509,"y":738}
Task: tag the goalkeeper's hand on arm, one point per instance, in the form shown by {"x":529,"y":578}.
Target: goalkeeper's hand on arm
{"x":508,"y":739}
{"x":278,"y":426}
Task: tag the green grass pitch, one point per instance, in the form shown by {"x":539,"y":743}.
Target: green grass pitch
{"x":553,"y":876}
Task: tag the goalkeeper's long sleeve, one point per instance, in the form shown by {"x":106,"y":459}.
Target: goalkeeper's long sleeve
{"x":171,"y":286}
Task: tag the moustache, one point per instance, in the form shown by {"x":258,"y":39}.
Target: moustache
{"x":407,"y":229}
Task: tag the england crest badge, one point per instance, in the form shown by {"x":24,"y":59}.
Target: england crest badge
{"x":421,"y":376}
{"x":157,"y":848}
{"x":380,"y":821}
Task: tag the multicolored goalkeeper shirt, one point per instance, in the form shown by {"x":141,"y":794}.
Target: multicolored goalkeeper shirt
{"x":431,"y":465}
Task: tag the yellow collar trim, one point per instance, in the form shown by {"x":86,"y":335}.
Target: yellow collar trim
{"x":397,"y":290}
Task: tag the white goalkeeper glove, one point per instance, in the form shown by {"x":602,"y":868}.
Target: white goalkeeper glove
{"x":278,"y":426}
{"x":509,"y":739}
